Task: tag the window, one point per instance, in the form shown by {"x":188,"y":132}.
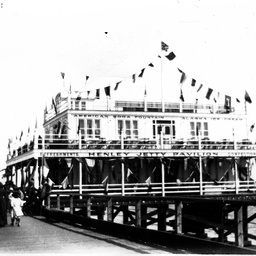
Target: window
{"x":196,"y":127}
{"x":89,"y":128}
{"x":166,"y":126}
{"x":129,"y":128}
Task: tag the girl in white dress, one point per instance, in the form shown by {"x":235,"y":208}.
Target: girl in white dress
{"x":16,"y":208}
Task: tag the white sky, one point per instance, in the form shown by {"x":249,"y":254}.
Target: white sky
{"x":214,"y":41}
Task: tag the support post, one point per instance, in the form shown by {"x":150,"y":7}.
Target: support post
{"x":71,"y":202}
{"x":239,"y":235}
{"x":162,"y":217}
{"x":178,"y":217}
{"x":138,"y":213}
{"x":123,"y":179}
{"x":200,"y":176}
{"x":88,"y":207}
{"x":110,"y":210}
{"x":236,"y":177}
{"x":163,"y":178}
{"x":58,"y":201}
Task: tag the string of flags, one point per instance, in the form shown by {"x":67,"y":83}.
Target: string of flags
{"x":170,"y":56}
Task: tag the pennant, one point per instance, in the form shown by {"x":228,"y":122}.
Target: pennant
{"x":145,"y":93}
{"x":105,"y":182}
{"x":170,"y":56}
{"x":193,"y":83}
{"x":62,"y":75}
{"x":87,"y":77}
{"x":164,"y":46}
{"x":141,"y":73}
{"x":117,"y":84}
{"x":133,"y":78}
{"x":237,"y":100}
{"x":247,"y":97}
{"x":148,"y":180}
{"x":129,"y":173}
{"x":65,"y":183}
{"x":21,"y":134}
{"x":78,"y":128}
{"x":54,"y":106}
{"x":252,"y":127}
{"x":98,"y":93}
{"x":208,"y":94}
{"x":183,"y":76}
{"x":200,"y":87}
{"x":181,"y":96}
{"x":88,"y":94}
{"x":227,"y":102}
{"x":151,"y":65}
{"x":107,"y":91}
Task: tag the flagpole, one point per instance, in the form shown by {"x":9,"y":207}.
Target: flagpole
{"x":246,"y":121}
{"x":162,"y":91}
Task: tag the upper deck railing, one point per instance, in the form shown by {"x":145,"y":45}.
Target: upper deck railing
{"x":133,"y":106}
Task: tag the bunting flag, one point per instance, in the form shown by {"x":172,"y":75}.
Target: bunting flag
{"x":200,"y":87}
{"x":70,"y":90}
{"x":105,"y":182}
{"x":148,"y":180}
{"x":98,"y":93}
{"x":164,"y":46}
{"x":133,"y":78}
{"x":247,"y":97}
{"x":117,"y":84}
{"x":181,"y":96}
{"x":107,"y":91}
{"x":78,"y":128}
{"x":141,"y":73}
{"x":193,"y":83}
{"x":21,"y":134}
{"x":170,"y":56}
{"x":227,"y":103}
{"x":65,"y":183}
{"x":87,"y":77}
{"x":54,"y":106}
{"x":208,"y":94}
{"x":62,"y":75}
{"x":183,"y":76}
{"x":252,"y":127}
{"x":151,"y":65}
{"x":237,"y":100}
{"x":88,"y":94}
{"x":129,"y":173}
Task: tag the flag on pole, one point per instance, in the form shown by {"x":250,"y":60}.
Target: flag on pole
{"x":247,"y":97}
{"x":151,"y":65}
{"x":164,"y":46}
{"x":62,"y":75}
{"x":107,"y":91}
{"x":170,"y":56}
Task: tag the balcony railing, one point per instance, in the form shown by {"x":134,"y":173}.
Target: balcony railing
{"x":51,"y":141}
